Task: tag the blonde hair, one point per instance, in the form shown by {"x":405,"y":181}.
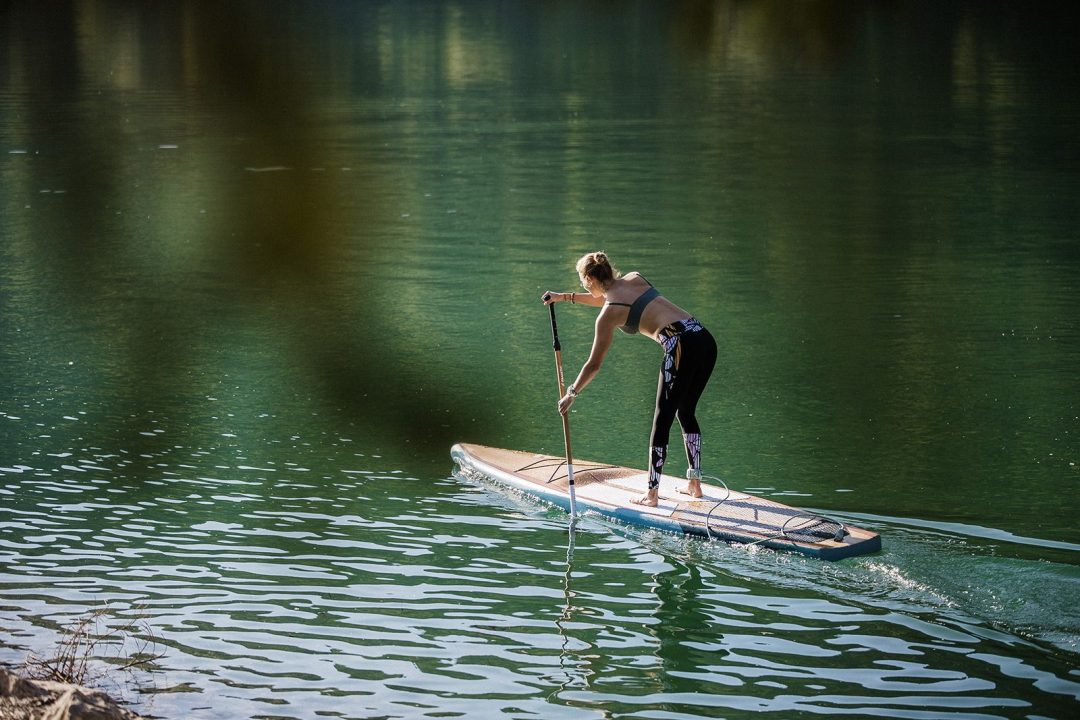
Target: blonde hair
{"x":596,"y":265}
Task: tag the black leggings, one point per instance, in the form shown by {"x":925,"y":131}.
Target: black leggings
{"x":689,"y":358}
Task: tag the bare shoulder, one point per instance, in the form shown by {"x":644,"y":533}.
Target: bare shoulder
{"x":606,"y":319}
{"x":637,"y":282}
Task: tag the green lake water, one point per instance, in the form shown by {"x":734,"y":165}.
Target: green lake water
{"x":261,"y":264}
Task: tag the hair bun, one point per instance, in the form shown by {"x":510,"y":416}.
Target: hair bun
{"x":597,"y":265}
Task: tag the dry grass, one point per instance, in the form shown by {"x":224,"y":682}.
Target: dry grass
{"x":98,"y":649}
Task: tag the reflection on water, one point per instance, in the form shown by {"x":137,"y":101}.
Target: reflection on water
{"x":262,"y":263}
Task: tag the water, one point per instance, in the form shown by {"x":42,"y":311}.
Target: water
{"x":261,"y":266}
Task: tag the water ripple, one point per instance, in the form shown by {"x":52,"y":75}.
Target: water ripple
{"x":457,"y":599}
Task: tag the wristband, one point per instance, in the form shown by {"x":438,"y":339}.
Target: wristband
{"x":571,"y":391}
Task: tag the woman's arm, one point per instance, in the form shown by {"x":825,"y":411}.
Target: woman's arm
{"x":605,"y":332}
{"x":577,"y":298}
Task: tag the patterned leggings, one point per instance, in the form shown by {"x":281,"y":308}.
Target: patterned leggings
{"x":689,"y":358}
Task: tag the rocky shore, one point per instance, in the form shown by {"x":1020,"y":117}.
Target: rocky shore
{"x":25,"y":699}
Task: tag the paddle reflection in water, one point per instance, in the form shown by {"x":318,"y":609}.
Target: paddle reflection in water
{"x":575,"y":673}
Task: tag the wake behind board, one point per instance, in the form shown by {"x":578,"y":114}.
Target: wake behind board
{"x":721,"y":514}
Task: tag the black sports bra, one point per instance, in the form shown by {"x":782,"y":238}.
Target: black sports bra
{"x":636,"y":308}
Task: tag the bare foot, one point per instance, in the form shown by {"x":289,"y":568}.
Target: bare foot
{"x":648,"y":499}
{"x":693,"y":489}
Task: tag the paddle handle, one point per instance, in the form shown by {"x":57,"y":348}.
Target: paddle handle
{"x":555,"y":343}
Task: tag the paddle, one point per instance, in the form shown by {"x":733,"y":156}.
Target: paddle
{"x":565,"y":418}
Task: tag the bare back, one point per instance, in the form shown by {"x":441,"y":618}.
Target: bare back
{"x":658,"y":313}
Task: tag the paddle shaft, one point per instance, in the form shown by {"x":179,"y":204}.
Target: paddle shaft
{"x":565,"y":417}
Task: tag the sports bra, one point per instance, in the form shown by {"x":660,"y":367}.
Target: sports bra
{"x":636,"y":308}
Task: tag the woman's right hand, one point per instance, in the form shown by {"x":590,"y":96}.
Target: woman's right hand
{"x":550,"y":296}
{"x":565,"y":402}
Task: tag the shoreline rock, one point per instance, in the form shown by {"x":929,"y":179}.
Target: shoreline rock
{"x":25,"y":699}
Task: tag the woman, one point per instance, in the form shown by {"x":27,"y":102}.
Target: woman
{"x":633,"y":305}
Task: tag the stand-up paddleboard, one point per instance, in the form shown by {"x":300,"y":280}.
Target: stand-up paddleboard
{"x":721,"y":514}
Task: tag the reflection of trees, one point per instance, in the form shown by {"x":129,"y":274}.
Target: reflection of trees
{"x":579,"y":113}
{"x":880,"y":213}
{"x":165,"y":106}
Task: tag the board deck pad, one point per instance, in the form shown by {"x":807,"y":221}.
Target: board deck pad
{"x":721,"y":513}
{"x":624,"y":491}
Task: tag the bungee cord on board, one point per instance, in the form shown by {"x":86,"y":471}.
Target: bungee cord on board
{"x":819,"y":527}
